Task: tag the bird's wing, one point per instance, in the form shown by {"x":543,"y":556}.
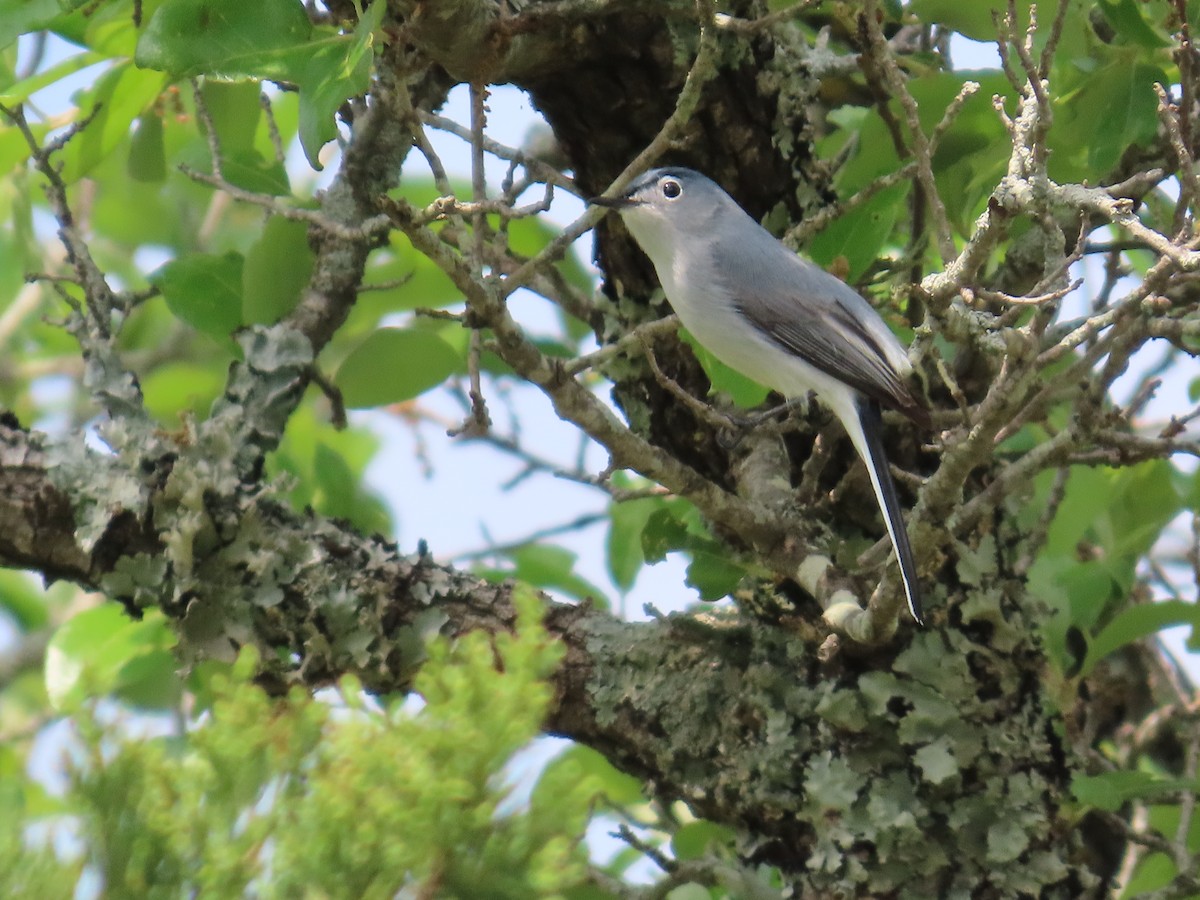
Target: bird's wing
{"x":824,"y":322}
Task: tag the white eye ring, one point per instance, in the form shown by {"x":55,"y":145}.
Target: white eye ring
{"x":671,"y":188}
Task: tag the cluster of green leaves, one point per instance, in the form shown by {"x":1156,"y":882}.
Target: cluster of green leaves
{"x":641,"y":532}
{"x":1106,"y":525}
{"x":306,"y":797}
{"x":1108,"y":60}
{"x":225,"y":267}
{"x":273,"y":39}
{"x":646,"y":530}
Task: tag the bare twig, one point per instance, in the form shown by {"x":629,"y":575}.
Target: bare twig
{"x":1030,"y":300}
{"x":423,"y":144}
{"x":337,"y":405}
{"x":631,"y":340}
{"x":1172,"y":119}
{"x":703,"y":68}
{"x":920,"y":144}
{"x":272,"y":126}
{"x":579,"y":523}
{"x":210,"y":129}
{"x":369,"y":228}
{"x":479,"y":421}
{"x":754,"y":26}
{"x":702,"y":410}
{"x":113,"y":385}
{"x":538,"y":169}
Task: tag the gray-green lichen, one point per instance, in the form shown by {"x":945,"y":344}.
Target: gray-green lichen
{"x":99,"y":486}
{"x":869,"y":773}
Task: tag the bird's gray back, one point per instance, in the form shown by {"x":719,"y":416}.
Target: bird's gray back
{"x":812,"y":314}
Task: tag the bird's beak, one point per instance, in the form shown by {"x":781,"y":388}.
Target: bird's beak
{"x":612,"y":202}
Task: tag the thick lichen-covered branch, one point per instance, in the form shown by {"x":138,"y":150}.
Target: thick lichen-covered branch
{"x":740,"y":718}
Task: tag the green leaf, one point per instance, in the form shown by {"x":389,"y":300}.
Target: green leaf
{"x":745,"y":392}
{"x":1144,"y":499}
{"x":713,"y":573}
{"x":172,"y":388}
{"x":662,"y":533}
{"x":565,"y":775}
{"x":393,"y":365}
{"x":1081,"y":590}
{"x":21,"y":598}
{"x":1125,"y":16}
{"x":277,"y":269}
{"x":151,"y":680}
{"x":334,"y":73}
{"x":676,"y":525}
{"x":147,"y":156}
{"x":101,"y":650}
{"x":1154,"y":872}
{"x":626,"y":522}
{"x":107,"y":27}
{"x":166,"y":214}
{"x":120,"y":95}
{"x":693,"y":840}
{"x":204,"y":290}
{"x":234,"y":109}
{"x":251,"y":170}
{"x":689,"y":890}
{"x":1136,"y":622}
{"x":528,"y":236}
{"x":859,"y":235}
{"x":229,"y":38}
{"x":874,"y":153}
{"x":17,"y":18}
{"x":339,"y":490}
{"x":326,"y":467}
{"x":1112,"y":790}
{"x":1113,"y":107}
{"x":270,"y":39}
{"x":20,"y":91}
{"x":1108,"y":520}
{"x":973,"y":153}
{"x":416,"y":281}
{"x":335,"y":478}
{"x":1124,"y":96}
{"x":549,"y":567}
{"x":619,"y":789}
{"x":972,"y":19}
{"x":1122,"y":509}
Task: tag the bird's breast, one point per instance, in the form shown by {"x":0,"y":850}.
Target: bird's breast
{"x":704,"y":304}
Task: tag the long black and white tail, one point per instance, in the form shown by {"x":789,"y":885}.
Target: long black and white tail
{"x":869,"y":442}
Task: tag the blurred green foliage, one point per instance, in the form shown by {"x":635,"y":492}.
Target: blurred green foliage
{"x":301,"y":797}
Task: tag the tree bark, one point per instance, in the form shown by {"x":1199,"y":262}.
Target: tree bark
{"x":926,"y":767}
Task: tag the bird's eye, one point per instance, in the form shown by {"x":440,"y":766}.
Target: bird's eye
{"x":671,"y":188}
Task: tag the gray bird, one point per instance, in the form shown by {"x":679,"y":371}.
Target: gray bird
{"x":776,"y":318}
